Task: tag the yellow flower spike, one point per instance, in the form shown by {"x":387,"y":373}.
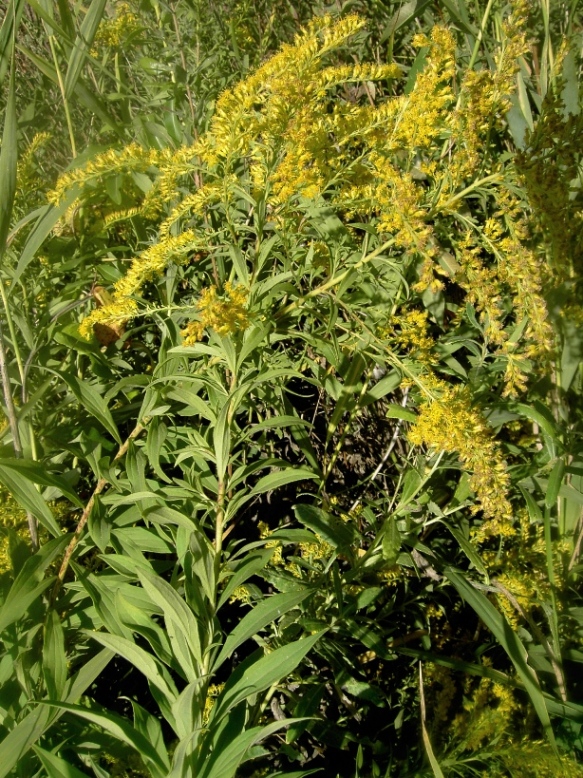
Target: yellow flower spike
{"x":223,"y":315}
{"x":452,"y":424}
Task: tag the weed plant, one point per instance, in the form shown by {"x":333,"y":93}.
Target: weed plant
{"x":290,"y":351}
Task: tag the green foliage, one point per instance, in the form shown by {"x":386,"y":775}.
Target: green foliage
{"x":291,"y":383}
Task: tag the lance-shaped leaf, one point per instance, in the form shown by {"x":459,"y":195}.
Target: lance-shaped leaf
{"x":118,"y":728}
{"x":180,"y":621}
{"x":32,"y":727}
{"x":29,"y":583}
{"x":264,"y":613}
{"x":256,"y":675}
{"x":83,"y":44}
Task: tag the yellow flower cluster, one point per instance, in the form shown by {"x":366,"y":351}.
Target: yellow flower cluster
{"x":131,"y":158}
{"x":549,"y":168}
{"x":399,"y":162}
{"x":115,"y":32}
{"x":514,"y":269}
{"x":319,"y":549}
{"x":483,"y":102}
{"x":410,"y":330}
{"x":522,"y":568}
{"x":537,"y":759}
{"x":451,"y":423}
{"x":241,"y":594}
{"x":147,"y":267}
{"x":421,"y":119}
{"x":213,"y":692}
{"x":27,"y":176}
{"x":443,"y":690}
{"x":224,"y":314}
{"x":486,"y":715}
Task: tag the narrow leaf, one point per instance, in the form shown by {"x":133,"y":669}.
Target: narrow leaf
{"x":142,"y":660}
{"x":8,"y":161}
{"x":83,"y":44}
{"x":57,"y":767}
{"x":257,"y":675}
{"x":334,"y":531}
{"x":90,"y":399}
{"x":117,"y":727}
{"x":266,"y":612}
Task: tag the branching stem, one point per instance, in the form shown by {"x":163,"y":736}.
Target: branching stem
{"x":101,"y":484}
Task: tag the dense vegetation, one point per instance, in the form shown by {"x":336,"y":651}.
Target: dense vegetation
{"x":291,"y":457}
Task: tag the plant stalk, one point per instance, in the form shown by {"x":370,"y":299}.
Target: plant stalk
{"x":13,"y":422}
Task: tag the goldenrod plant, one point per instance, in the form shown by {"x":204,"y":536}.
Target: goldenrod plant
{"x":291,"y":468}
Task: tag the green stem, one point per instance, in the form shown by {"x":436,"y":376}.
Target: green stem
{"x":467,"y":190}
{"x":13,"y":422}
{"x":64,"y":96}
{"x":474,"y":56}
{"x":219,"y":526}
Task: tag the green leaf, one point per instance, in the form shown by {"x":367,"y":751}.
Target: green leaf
{"x":118,"y":728}
{"x":382,"y":388}
{"x":509,"y":641}
{"x":24,"y":492}
{"x":468,"y":549}
{"x":250,"y":565}
{"x":150,"y":727}
{"x":240,"y":264}
{"x":90,"y":399}
{"x":523,"y":101}
{"x":222,"y":440}
{"x":349,"y":394}
{"x":543,"y":418}
{"x":8,"y":160}
{"x":31,"y":728}
{"x":37,"y":474}
{"x":47,"y":219}
{"x":54,"y":657}
{"x":395,"y":411}
{"x":405,"y":13}
{"x":147,"y":664}
{"x":334,"y":531}
{"x":436,"y":769}
{"x":274,"y":480}
{"x":223,"y":762}
{"x":181,"y":624}
{"x":55,"y":766}
{"x":29,"y":583}
{"x":8,"y":32}
{"x":256,"y":675}
{"x":266,"y":612}
{"x":83,"y":44}
{"x":391,"y":541}
{"x":157,"y":432}
{"x":554,"y":484}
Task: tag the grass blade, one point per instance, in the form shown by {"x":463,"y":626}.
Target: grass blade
{"x":8,"y":32}
{"x":8,"y":161}
{"x":509,"y":641}
{"x":83,"y":44}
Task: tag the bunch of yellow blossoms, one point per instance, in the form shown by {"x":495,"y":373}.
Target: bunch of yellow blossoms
{"x":450,"y":423}
{"x":224,"y":316}
{"x":383,"y":161}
